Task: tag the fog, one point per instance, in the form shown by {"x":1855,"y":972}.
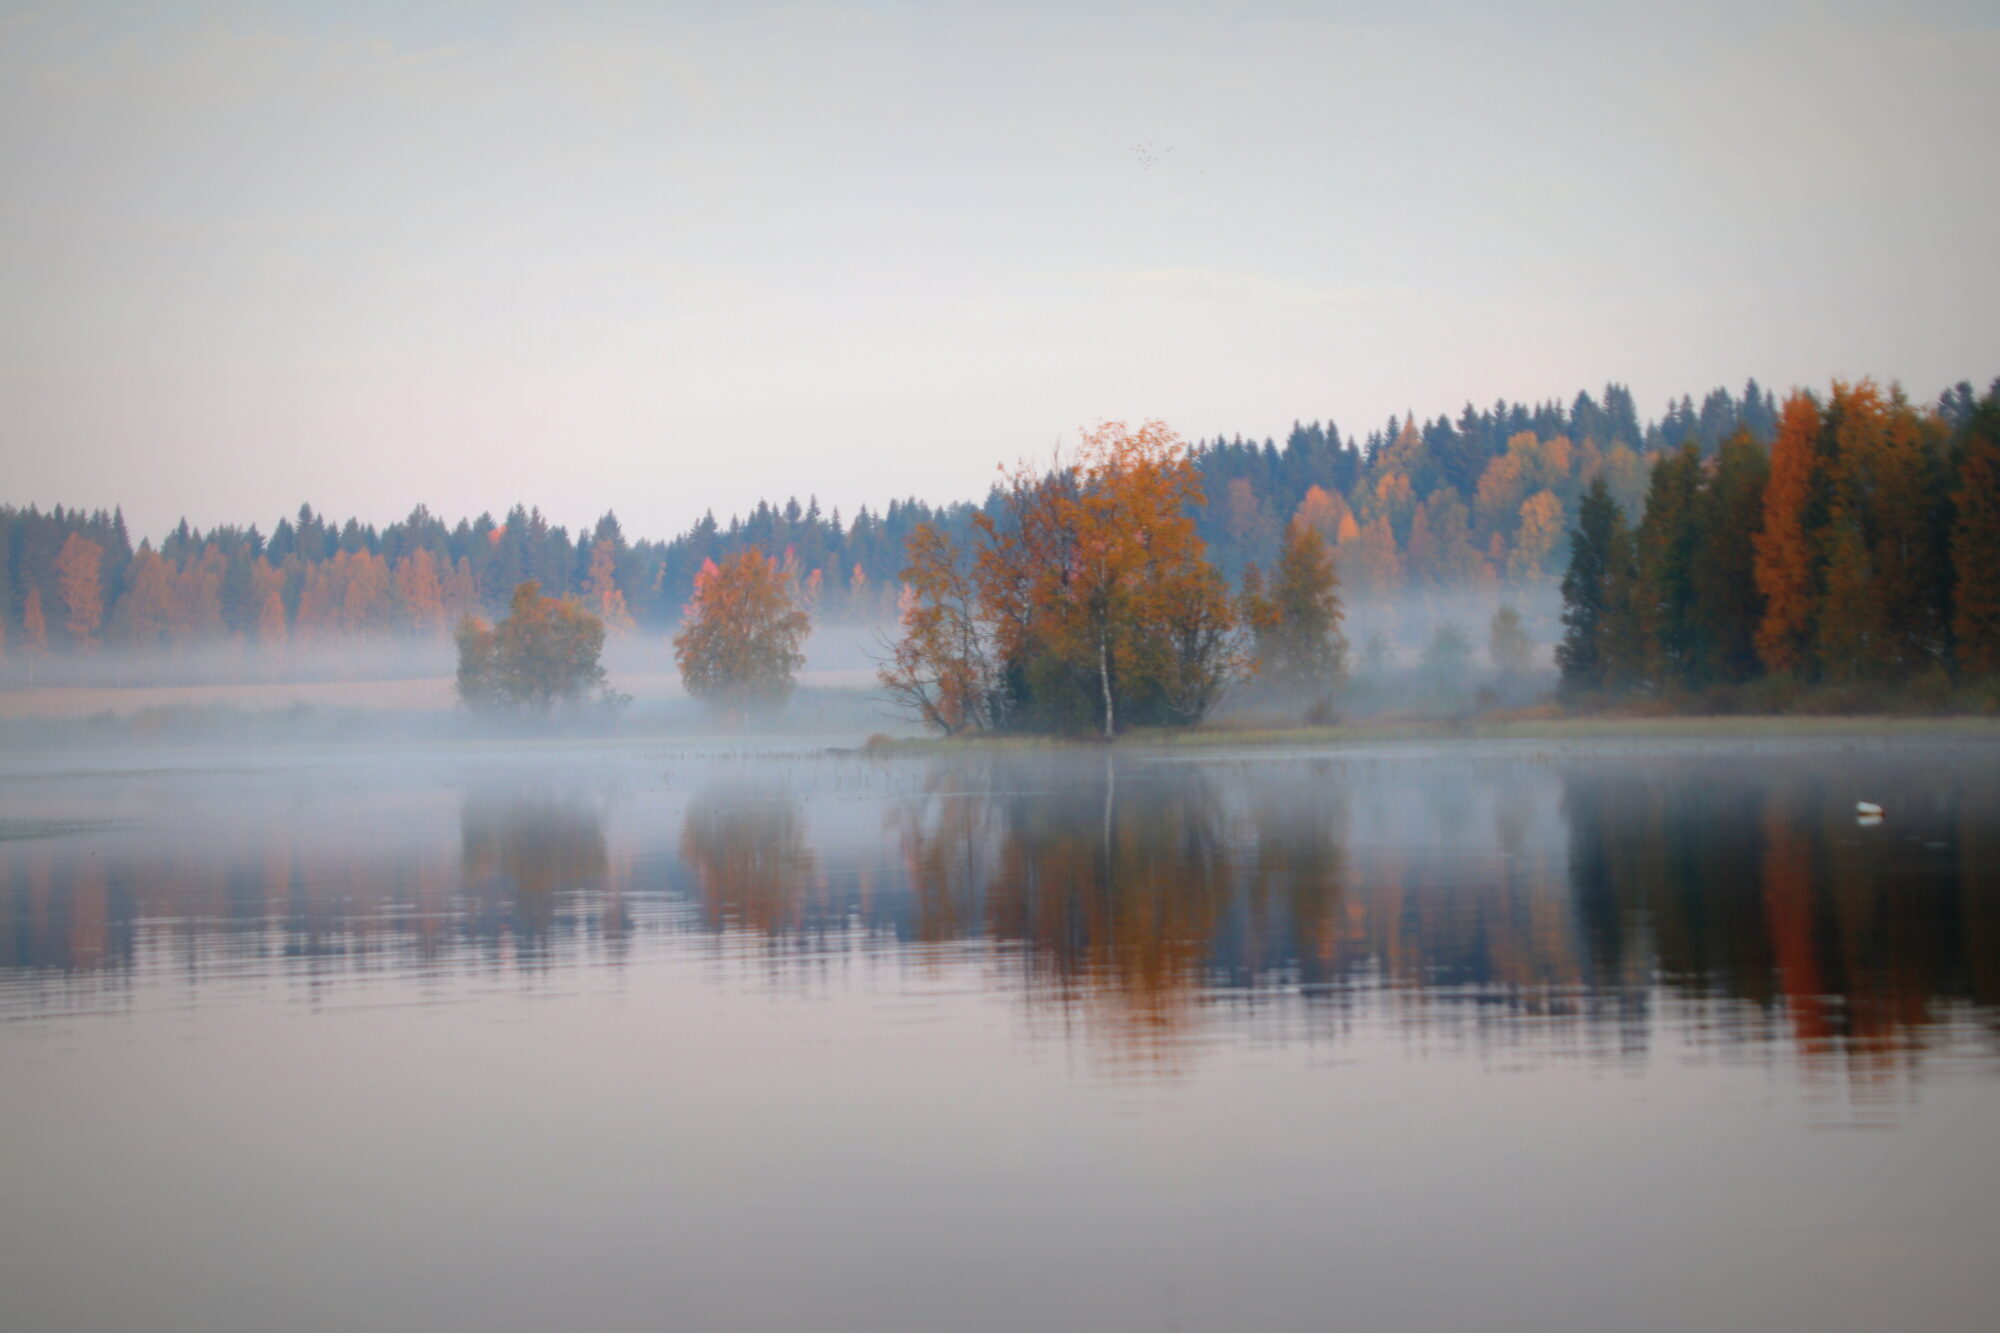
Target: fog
{"x":401,"y":688}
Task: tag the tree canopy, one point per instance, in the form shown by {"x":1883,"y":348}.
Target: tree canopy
{"x":741,"y":634}
{"x":544,"y":653}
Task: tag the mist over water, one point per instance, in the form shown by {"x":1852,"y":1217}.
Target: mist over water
{"x":649,"y":1037}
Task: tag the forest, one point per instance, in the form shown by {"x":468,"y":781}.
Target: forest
{"x":1415,"y":511}
{"x":1859,"y":548}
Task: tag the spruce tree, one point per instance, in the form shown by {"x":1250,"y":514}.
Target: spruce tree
{"x":1592,"y":590}
{"x":1975,"y":545}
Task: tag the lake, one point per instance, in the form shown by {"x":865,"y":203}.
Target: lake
{"x":1497,"y":1035}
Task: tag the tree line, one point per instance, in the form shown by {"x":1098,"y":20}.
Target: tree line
{"x":1413,"y":508}
{"x":1859,"y":546}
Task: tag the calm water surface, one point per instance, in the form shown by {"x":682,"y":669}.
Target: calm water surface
{"x":1604,"y":1037}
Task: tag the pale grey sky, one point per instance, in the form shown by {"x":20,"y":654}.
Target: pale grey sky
{"x":662,"y":258}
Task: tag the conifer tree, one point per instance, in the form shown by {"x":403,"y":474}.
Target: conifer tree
{"x":1666,"y":545}
{"x":1909,"y":500}
{"x":1847,"y":630}
{"x":1728,"y":606}
{"x":1975,"y":544}
{"x":1593,"y":589}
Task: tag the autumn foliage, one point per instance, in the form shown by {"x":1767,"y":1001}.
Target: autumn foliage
{"x":1859,"y":553}
{"x":1298,"y":650}
{"x":543,"y":654}
{"x":739,"y":644}
{"x":1090,"y":604}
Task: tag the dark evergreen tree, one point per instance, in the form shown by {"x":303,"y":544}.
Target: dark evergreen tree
{"x":1591,"y":590}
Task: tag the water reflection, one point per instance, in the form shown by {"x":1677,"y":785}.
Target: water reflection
{"x":1578,"y":908}
{"x":526,"y":855}
{"x":746,"y":847}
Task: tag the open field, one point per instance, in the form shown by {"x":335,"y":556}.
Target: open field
{"x":410,"y":695}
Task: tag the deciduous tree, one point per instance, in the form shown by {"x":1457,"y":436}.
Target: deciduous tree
{"x":421,"y":592}
{"x":145,"y":614}
{"x":1784,"y":546}
{"x":34,"y":625}
{"x":1295,"y":622}
{"x":601,"y":593}
{"x":1096,"y":583}
{"x":739,"y":643}
{"x":77,"y":571}
{"x":544,"y":653}
{"x":942,"y":668}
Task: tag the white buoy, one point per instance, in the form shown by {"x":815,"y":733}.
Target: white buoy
{"x":1867,"y":808}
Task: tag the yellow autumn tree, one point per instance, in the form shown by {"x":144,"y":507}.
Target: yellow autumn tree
{"x":78,"y":578}
{"x":1324,"y":512}
{"x":195,"y":612}
{"x":421,"y":592}
{"x":1370,"y":562}
{"x":267,"y":592}
{"x":1535,"y":540}
{"x":739,"y":645}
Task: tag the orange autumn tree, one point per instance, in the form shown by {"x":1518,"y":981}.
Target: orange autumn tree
{"x":421,"y":592}
{"x":739,"y":644}
{"x":267,"y":593}
{"x":1784,"y":564}
{"x":1092,"y":605}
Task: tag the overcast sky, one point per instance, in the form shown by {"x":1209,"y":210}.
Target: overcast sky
{"x":661,"y":259}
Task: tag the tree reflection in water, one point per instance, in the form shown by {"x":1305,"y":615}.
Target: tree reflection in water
{"x":745,"y":844}
{"x":1576,"y":908}
{"x":526,"y":856}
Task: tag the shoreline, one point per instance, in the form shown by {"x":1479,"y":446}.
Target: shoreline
{"x":1581,"y":727}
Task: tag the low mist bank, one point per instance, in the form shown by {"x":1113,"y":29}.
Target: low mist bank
{"x":834,"y":647}
{"x":1417,"y":660}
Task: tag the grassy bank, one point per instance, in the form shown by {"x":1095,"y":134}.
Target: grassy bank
{"x":1534,"y":725}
